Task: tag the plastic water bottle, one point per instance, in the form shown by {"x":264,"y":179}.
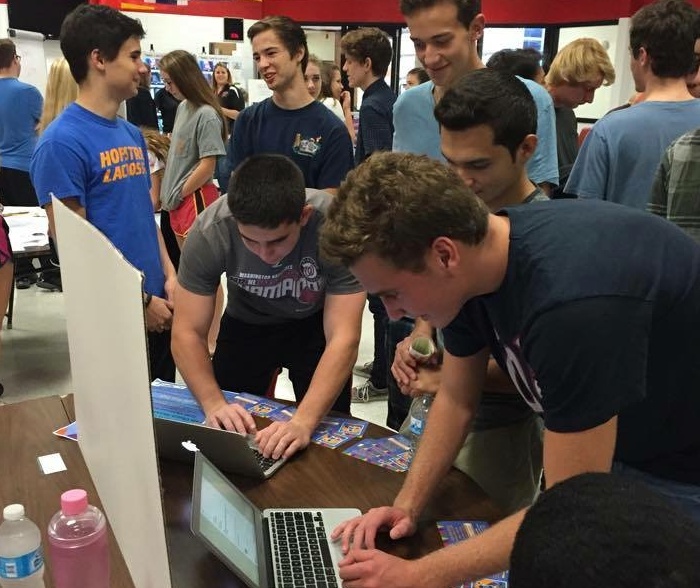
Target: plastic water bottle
{"x":78,"y":545}
{"x":422,"y":350}
{"x":417,"y":418}
{"x":21,"y":558}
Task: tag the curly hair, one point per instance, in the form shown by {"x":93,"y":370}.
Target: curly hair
{"x":395,"y":205}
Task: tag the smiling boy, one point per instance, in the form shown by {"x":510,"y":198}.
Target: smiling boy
{"x":290,"y":122}
{"x":96,"y":163}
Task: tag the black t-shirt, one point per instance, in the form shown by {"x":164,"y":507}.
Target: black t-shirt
{"x":231,"y":97}
{"x":599,"y":315}
{"x":567,"y":141}
{"x":141,"y":110}
{"x":167,"y":104}
{"x":498,"y":409}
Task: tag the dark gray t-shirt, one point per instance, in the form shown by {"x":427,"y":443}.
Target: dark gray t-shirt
{"x":259,"y":293}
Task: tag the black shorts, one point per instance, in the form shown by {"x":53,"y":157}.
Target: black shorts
{"x":247,"y":356}
{"x":16,"y":188}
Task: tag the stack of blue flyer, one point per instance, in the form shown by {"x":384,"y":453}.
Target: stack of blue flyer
{"x":175,"y":402}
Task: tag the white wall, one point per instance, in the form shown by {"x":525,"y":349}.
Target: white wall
{"x":322,"y":44}
{"x":4,"y":24}
{"x":616,"y":39}
{"x":162,"y":33}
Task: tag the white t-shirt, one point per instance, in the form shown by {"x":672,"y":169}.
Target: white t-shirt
{"x":335,"y":107}
{"x":154,"y":164}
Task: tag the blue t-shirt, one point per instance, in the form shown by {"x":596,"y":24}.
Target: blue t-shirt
{"x":621,"y":154}
{"x":376,"y":129}
{"x":415,"y":128}
{"x":312,"y":136}
{"x":103,"y":163}
{"x":417,"y":131}
{"x":543,"y":165}
{"x":20,"y":111}
{"x":592,"y":321}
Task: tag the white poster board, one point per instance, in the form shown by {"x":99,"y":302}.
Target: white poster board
{"x":30,"y":47}
{"x":109,"y":364}
{"x":257,"y":91}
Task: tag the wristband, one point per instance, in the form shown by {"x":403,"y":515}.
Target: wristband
{"x":147,"y":300}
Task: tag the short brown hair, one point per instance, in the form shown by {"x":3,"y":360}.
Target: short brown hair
{"x":8,"y":50}
{"x":667,"y":30}
{"x":368,"y":42}
{"x":289,"y":32}
{"x":394,"y":205}
{"x":466,"y":9}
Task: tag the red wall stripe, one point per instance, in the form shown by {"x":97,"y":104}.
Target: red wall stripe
{"x":338,"y":11}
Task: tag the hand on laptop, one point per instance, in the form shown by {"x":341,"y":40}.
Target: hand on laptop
{"x":375,"y":568}
{"x":283,"y":439}
{"x":231,"y":417}
{"x":361,"y":531}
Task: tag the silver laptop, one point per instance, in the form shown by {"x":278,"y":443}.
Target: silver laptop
{"x":230,"y":451}
{"x":272,"y":548}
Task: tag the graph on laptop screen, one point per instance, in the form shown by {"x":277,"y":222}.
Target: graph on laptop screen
{"x":228,"y":523}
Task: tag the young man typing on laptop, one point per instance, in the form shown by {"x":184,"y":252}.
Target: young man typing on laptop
{"x":286,"y":307}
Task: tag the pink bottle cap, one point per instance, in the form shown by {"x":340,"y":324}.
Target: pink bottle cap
{"x":74,"y":502}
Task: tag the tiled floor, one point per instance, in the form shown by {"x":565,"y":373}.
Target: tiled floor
{"x":34,"y":358}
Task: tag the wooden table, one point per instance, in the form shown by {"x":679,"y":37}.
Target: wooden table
{"x":317,"y":477}
{"x":27,"y":433}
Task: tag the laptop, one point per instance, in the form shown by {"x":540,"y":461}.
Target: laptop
{"x":232,"y":452}
{"x":271,"y":548}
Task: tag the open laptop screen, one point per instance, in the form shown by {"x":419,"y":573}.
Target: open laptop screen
{"x":227,"y":522}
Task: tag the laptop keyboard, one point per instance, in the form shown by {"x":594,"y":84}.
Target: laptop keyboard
{"x":265,"y":462}
{"x":301,"y":551}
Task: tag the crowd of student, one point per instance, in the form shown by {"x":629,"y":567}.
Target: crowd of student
{"x":568,"y":326}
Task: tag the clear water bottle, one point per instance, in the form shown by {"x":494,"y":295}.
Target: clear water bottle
{"x":21,"y":557}
{"x":78,"y":545}
{"x":417,"y":417}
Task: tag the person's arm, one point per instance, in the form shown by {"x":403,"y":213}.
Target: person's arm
{"x":345,"y":101}
{"x":342,"y":322}
{"x":73,"y":203}
{"x":230,"y":113}
{"x":36,"y":102}
{"x":156,"y":181}
{"x":658,"y":201}
{"x":589,"y":175}
{"x":168,"y":268}
{"x":546,"y":153}
{"x":565,"y":455}
{"x":404,"y":368}
{"x":201,"y":174}
{"x":192,"y":319}
{"x":376,"y":130}
{"x":448,"y":423}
